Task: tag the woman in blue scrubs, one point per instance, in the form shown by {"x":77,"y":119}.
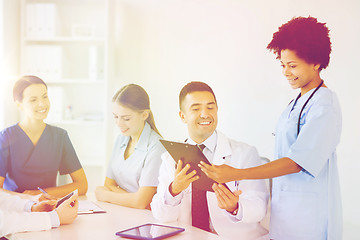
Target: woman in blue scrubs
{"x":306,"y":201}
{"x":33,"y":152}
{"x":132,"y":176}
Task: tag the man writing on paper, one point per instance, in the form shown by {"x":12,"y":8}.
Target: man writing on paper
{"x":232,"y":214}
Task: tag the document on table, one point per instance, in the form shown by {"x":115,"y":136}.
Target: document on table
{"x":88,"y":207}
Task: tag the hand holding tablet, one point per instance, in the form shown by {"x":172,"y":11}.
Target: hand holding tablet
{"x":60,"y":201}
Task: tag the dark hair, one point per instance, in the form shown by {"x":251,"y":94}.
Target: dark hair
{"x":135,"y":97}
{"x":307,"y":37}
{"x":23,"y":83}
{"x":194,"y":87}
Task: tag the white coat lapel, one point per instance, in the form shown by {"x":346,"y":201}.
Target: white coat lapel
{"x":223,"y":149}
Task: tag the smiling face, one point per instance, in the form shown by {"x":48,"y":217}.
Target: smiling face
{"x":199,"y":112}
{"x":130,"y":122}
{"x":35,"y":103}
{"x":298,"y":72}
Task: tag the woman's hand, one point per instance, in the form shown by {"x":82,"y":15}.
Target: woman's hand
{"x":220,"y":173}
{"x":46,"y":196}
{"x":112,"y":186}
{"x":101,"y":193}
{"x":32,"y":192}
{"x":116,"y":189}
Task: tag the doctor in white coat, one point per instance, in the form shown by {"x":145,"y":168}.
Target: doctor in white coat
{"x":233,"y":214}
{"x":20,"y":215}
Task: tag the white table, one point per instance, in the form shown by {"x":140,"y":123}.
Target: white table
{"x":104,"y":225}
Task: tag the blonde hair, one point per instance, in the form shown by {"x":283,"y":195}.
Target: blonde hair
{"x":135,"y":97}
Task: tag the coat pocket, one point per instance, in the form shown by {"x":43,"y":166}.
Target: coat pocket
{"x":297,"y":214}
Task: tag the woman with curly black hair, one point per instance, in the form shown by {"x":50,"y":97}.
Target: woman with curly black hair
{"x":306,"y":201}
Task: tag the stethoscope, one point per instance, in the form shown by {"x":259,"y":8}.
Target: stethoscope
{"x":297,"y":98}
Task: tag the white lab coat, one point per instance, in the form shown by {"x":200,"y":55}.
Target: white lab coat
{"x":253,"y":199}
{"x":14,"y":219}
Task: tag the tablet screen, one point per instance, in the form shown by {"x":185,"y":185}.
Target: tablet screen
{"x":150,"y":231}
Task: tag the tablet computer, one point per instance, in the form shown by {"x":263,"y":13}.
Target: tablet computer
{"x":65,"y":198}
{"x":150,"y":232}
{"x":192,"y":155}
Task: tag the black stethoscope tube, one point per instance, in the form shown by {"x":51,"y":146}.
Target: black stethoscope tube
{"x":297,"y":98}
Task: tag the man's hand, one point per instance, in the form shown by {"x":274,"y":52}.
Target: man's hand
{"x":44,"y":206}
{"x":226,"y":199}
{"x":181,"y":179}
{"x":67,"y":211}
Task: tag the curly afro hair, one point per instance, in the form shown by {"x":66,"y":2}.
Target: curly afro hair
{"x":307,"y":37}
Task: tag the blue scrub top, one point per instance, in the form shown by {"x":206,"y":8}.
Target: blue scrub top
{"x":307,"y":205}
{"x":26,"y":167}
{"x":141,"y":169}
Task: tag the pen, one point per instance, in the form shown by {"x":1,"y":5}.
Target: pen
{"x":42,"y":190}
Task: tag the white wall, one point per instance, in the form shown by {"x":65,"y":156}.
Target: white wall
{"x":9,"y":52}
{"x":163,"y":44}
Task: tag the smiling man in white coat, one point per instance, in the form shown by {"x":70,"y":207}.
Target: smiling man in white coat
{"x":235,"y":213}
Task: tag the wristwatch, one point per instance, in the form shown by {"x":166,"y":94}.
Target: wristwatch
{"x":236,"y":210}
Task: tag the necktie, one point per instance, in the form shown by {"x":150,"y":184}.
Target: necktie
{"x":199,"y":206}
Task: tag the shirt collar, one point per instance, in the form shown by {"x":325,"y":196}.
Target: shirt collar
{"x":124,"y":140}
{"x":143,"y":140}
{"x":210,"y":142}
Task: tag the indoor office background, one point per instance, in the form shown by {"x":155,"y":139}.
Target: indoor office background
{"x":162,"y":45}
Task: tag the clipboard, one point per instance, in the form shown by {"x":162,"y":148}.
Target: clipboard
{"x":192,"y":155}
{"x":88,"y":207}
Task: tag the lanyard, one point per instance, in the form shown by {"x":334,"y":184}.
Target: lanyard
{"x":297,"y":98}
